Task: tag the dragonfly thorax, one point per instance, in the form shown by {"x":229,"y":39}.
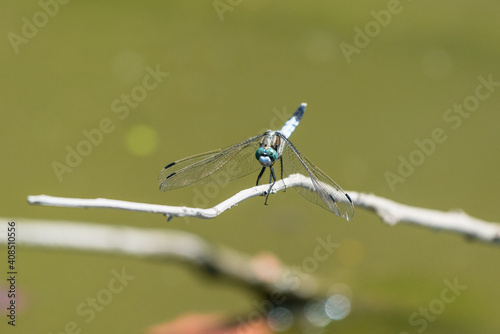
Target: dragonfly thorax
{"x":268,"y":152}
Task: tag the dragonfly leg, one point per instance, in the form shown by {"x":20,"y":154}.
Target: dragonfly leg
{"x":260,"y":175}
{"x":272,"y":178}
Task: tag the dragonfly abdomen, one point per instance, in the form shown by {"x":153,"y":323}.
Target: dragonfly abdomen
{"x":293,"y":122}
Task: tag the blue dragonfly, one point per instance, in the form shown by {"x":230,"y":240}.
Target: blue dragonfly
{"x":261,"y":151}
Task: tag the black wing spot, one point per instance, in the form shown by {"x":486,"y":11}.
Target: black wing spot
{"x":170,"y":175}
{"x":349,"y":198}
{"x":333,"y":199}
{"x":169,"y":165}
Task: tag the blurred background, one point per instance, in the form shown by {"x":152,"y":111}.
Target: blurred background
{"x":155,"y":81}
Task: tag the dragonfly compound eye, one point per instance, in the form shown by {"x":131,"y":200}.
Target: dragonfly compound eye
{"x":260,"y":151}
{"x":271,"y":152}
{"x":266,"y":157}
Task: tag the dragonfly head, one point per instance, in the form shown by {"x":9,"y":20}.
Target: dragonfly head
{"x":266,"y":156}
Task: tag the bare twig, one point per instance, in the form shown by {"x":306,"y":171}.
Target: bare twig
{"x":391,"y":212}
{"x":166,"y":210}
{"x":455,"y":221}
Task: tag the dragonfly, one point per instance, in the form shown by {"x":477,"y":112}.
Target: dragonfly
{"x":261,"y":152}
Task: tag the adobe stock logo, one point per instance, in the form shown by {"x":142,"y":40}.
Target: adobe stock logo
{"x":454,"y":116}
{"x":291,"y":279}
{"x":372,"y":29}
{"x":95,"y":136}
{"x":30,"y":28}
{"x":222,"y":6}
{"x":89,"y":309}
{"x":425,"y":315}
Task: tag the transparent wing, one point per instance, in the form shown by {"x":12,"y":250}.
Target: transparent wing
{"x":327,"y":193}
{"x":219,"y":166}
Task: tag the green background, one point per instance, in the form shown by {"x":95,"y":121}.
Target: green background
{"x":228,"y":80}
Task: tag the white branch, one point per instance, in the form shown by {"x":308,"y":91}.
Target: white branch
{"x":391,"y":212}
{"x":296,"y":180}
{"x":455,"y":221}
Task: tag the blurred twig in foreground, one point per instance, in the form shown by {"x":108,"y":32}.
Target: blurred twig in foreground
{"x":280,"y":297}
